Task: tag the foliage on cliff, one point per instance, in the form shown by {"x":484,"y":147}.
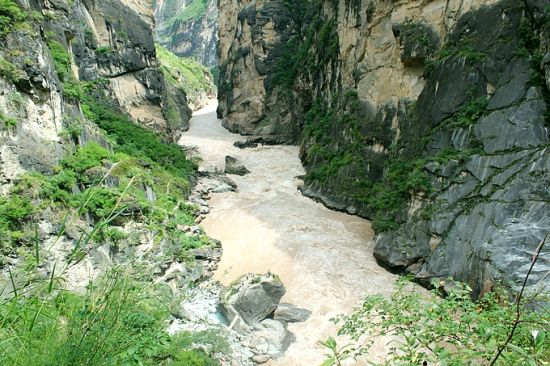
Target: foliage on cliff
{"x":186,"y":74}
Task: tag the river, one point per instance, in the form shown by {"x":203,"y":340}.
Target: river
{"x":323,"y":257}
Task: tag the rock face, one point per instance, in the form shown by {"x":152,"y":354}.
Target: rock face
{"x":234,"y":166}
{"x":55,"y":50}
{"x":428,"y":117}
{"x":106,"y":39}
{"x":252,"y":36}
{"x":290,"y":313}
{"x":188,"y":28}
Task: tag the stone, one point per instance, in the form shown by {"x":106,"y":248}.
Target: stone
{"x":252,"y":298}
{"x":290,"y":313}
{"x":234,"y":166}
{"x":259,"y":359}
{"x":245,"y":144}
{"x":222,"y":188}
{"x":269,"y":338}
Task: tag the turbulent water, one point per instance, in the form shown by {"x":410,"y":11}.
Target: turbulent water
{"x":323,"y":257}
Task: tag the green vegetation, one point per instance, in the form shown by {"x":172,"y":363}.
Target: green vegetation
{"x":306,"y":55}
{"x":134,"y":140}
{"x":61,"y":58}
{"x":117,"y":321}
{"x":195,"y":10}
{"x":7,"y":122}
{"x":470,"y":113}
{"x":95,"y":190}
{"x":104,"y":50}
{"x":10,"y":14}
{"x":186,"y":74}
{"x":334,"y":156}
{"x":454,"y":330}
{"x":10,"y":72}
{"x":472,"y":55}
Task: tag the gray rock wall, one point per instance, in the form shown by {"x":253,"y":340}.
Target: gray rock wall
{"x":193,"y":36}
{"x":429,"y":117}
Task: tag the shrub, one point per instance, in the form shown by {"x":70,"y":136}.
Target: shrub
{"x":86,"y":157}
{"x":135,"y":140}
{"x":10,"y":13}
{"x":61,"y":58}
{"x":8,"y":122}
{"x":104,"y":50}
{"x":10,"y":72}
{"x":454,"y":330}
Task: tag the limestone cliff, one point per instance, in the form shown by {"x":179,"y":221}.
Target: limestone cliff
{"x":188,"y":28}
{"x":429,"y":117}
{"x":106,"y":39}
{"x":80,"y":91}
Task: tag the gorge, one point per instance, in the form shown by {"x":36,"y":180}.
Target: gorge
{"x":368,"y":140}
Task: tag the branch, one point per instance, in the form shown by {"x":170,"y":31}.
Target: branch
{"x":518,"y":302}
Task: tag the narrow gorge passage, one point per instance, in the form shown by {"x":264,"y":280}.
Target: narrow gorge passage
{"x":324,"y":257}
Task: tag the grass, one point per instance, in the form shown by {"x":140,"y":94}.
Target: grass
{"x":117,"y":321}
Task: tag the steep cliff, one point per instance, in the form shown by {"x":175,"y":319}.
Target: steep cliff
{"x":430,"y":118}
{"x":86,"y":124}
{"x":188,"y":28}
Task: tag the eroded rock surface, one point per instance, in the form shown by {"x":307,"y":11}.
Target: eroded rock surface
{"x":457,"y":88}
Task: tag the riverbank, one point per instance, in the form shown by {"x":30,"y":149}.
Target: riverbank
{"x":323,"y":257}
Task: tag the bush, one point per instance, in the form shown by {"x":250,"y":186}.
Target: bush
{"x":61,"y":59}
{"x":136,"y":141}
{"x":454,"y":330}
{"x":10,"y":72}
{"x":10,"y":13}
{"x":86,"y":157}
{"x":7,"y":121}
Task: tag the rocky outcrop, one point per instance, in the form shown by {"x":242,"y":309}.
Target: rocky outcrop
{"x":427,"y":117}
{"x":251,"y":305}
{"x":53,"y":56}
{"x":251,"y":299}
{"x":234,"y":166}
{"x":188,"y":28}
{"x":253,"y":36}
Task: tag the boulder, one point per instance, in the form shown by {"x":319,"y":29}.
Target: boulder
{"x":251,"y":299}
{"x":268,"y":340}
{"x":234,"y":166}
{"x":290,"y":313}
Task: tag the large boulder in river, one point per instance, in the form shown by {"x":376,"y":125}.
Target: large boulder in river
{"x":234,"y":166}
{"x":251,"y":299}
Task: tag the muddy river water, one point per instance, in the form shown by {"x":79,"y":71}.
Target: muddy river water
{"x":323,"y":257}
